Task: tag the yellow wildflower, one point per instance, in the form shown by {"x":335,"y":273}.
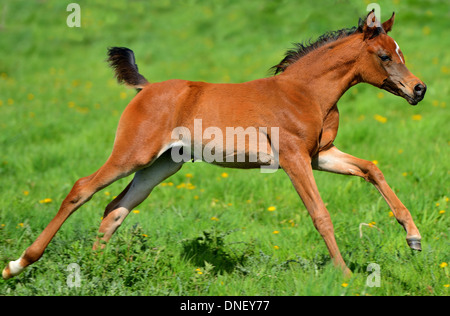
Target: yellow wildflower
{"x":181,"y":185}
{"x":271,"y":208}
{"x":344,"y":284}
{"x":443,"y":265}
{"x":214,"y":219}
{"x":380,"y":118}
{"x":136,"y":211}
{"x":47,"y":200}
{"x":224,"y":175}
{"x":441,"y":212}
{"x":276,"y":232}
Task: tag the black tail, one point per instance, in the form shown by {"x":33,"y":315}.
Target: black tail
{"x":121,"y":59}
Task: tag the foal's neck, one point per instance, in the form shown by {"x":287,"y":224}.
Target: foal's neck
{"x":327,"y":72}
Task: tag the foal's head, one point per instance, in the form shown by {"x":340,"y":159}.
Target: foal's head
{"x":382,"y":63}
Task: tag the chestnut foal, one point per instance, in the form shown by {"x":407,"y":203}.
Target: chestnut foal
{"x":300,"y":101}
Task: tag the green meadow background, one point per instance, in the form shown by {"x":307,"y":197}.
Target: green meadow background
{"x":207,"y":230}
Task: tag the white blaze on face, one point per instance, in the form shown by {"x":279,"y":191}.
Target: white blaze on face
{"x":397,"y":50}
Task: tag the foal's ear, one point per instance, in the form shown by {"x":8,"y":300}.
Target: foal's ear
{"x":387,"y":26}
{"x":371,"y":26}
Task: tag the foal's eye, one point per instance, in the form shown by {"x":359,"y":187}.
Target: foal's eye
{"x":385,"y":57}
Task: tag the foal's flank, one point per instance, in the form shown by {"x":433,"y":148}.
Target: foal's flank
{"x":301,"y":101}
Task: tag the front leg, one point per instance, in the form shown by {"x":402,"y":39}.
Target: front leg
{"x":333,"y":160}
{"x":298,"y":168}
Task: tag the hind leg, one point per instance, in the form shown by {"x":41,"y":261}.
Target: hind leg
{"x":134,"y":194}
{"x":116,"y":167}
{"x":82,"y":191}
{"x":138,"y":143}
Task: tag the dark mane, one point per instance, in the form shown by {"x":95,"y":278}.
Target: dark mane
{"x":304,"y":48}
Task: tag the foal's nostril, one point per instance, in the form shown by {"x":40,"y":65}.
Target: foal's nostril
{"x":420,"y":89}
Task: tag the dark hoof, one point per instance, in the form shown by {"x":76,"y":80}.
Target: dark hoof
{"x":414,"y":244}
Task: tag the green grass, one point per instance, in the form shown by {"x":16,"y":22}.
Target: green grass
{"x":59,"y":107}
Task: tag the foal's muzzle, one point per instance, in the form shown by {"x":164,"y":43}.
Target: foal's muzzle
{"x":419,"y":92}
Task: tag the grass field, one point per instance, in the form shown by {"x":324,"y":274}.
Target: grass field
{"x":207,"y":230}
